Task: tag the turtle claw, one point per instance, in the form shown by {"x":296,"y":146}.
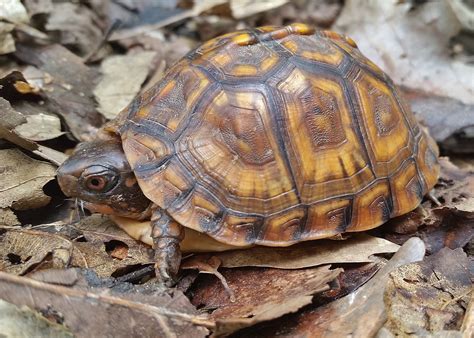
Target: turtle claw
{"x":168,"y":259}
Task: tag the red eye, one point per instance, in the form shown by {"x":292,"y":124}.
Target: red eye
{"x":96,"y":183}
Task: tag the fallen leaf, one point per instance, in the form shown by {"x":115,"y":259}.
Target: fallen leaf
{"x":348,"y":281}
{"x":7,"y":43}
{"x":361,"y":313}
{"x":122,"y":78}
{"x":22,"y":179}
{"x":410,"y":44}
{"x":467,"y":327}
{"x":260,"y":295}
{"x":23,"y":322}
{"x":40,"y":127}
{"x":23,"y":250}
{"x":163,"y":17}
{"x":67,"y":86}
{"x":356,"y":249}
{"x":8,"y":217}
{"x":106,"y":314}
{"x":430,"y":296}
{"x":13,"y":11}
{"x":244,"y":8}
{"x":35,"y":7}
{"x":76,"y":25}
{"x":445,"y":127}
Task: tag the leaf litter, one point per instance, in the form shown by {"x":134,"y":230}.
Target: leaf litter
{"x":60,"y":81}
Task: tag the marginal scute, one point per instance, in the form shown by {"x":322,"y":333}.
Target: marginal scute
{"x":406,"y":188}
{"x":277,"y":135}
{"x":372,"y":206}
{"x":328,"y":218}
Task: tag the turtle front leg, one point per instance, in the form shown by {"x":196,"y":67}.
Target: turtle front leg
{"x":166,"y":234}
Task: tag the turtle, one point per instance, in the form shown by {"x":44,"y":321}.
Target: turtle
{"x":265,"y":136}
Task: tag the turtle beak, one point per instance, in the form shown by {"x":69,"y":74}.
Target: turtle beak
{"x":68,"y":177}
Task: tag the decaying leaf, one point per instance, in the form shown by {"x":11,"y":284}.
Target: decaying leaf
{"x":7,"y":43}
{"x":8,"y":217}
{"x":14,"y":86}
{"x":430,"y":296}
{"x":410,"y":44}
{"x":446,"y":128}
{"x":13,"y":11}
{"x":22,"y":179}
{"x":23,"y":322}
{"x":107,"y":250}
{"x":76,"y":25}
{"x":122,"y":78}
{"x":67,"y":87}
{"x":40,"y":127}
{"x":106,"y":253}
{"x":260,"y":295}
{"x":243,"y":8}
{"x":356,"y":249}
{"x":106,"y":314}
{"x":35,"y":7}
{"x":360,"y":314}
{"x":22,"y":251}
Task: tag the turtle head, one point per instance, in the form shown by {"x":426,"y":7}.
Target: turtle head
{"x":99,"y":175}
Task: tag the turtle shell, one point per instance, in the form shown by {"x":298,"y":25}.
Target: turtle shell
{"x":277,"y":135}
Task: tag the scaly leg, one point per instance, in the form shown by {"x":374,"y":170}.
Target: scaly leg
{"x":166,"y":234}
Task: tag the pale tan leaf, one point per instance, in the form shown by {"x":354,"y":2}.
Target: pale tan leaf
{"x":40,"y":127}
{"x":122,"y":78}
{"x":23,"y":322}
{"x":244,"y":8}
{"x":357,"y":249}
{"x":13,"y":11}
{"x":410,"y":44}
{"x":22,"y":179}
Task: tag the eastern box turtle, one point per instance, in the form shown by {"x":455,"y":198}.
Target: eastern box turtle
{"x":267,"y":136}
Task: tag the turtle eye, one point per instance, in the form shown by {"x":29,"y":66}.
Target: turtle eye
{"x":96,"y":183}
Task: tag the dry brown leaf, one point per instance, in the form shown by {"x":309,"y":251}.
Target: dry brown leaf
{"x":356,"y":249}
{"x":360,"y":314}
{"x":8,"y":217}
{"x":13,"y":11}
{"x":122,"y":78}
{"x":23,"y":250}
{"x":67,"y":86}
{"x":450,"y":128}
{"x":100,"y":313}
{"x":35,"y":7}
{"x":7,"y":43}
{"x":40,"y":127}
{"x":467,"y":327}
{"x":430,"y":296}
{"x":244,"y":8}
{"x":76,"y":25}
{"x":23,"y":322}
{"x":260,"y":295}
{"x":22,"y":179}
{"x":410,"y":44}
